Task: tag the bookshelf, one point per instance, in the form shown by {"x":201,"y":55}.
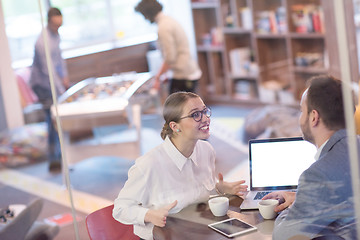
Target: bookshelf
{"x":260,"y":51}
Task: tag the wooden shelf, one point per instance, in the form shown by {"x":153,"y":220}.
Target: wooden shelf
{"x":247,"y":77}
{"x":233,"y":30}
{"x":270,"y":35}
{"x":260,"y":45}
{"x":210,"y":48}
{"x":310,"y":70}
{"x":202,"y":5}
{"x":306,"y":35}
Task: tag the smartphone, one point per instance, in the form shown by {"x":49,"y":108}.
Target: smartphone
{"x":232,"y":227}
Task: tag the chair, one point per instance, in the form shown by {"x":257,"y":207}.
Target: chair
{"x":102,"y":226}
{"x":25,"y":226}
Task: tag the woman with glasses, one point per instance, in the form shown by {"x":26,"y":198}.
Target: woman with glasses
{"x":175,"y":174}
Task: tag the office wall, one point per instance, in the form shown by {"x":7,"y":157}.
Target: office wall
{"x":3,"y":122}
{"x":181,"y":11}
{"x":9,"y":96}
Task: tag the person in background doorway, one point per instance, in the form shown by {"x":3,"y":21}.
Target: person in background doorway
{"x":174,"y":48}
{"x":175,"y":174}
{"x":324,"y":203}
{"x":40,"y":81}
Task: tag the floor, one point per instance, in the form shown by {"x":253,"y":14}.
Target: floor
{"x":95,"y":182}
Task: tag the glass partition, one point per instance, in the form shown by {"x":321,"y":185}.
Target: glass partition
{"x":106,"y":123}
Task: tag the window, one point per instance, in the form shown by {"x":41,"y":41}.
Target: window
{"x":23,"y":24}
{"x":86,"y":22}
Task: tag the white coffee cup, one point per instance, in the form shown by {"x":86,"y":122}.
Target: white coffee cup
{"x":219,"y":206}
{"x":266,"y":208}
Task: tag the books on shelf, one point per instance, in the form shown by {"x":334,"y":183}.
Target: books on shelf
{"x":239,"y":61}
{"x":307,"y":18}
{"x":271,"y":21}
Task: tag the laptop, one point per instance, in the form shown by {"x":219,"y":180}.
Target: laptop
{"x":276,"y":164}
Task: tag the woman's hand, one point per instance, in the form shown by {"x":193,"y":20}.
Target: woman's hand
{"x":285,"y":199}
{"x":158,"y":216}
{"x":235,"y":188}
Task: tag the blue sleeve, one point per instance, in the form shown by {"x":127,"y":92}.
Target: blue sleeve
{"x":318,"y":204}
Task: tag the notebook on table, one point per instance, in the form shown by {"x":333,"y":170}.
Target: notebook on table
{"x":276,"y":164}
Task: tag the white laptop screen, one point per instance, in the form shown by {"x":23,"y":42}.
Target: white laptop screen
{"x":278,"y":163}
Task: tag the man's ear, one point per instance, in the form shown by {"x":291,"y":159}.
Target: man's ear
{"x":314,"y":118}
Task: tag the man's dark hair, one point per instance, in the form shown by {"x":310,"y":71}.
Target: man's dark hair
{"x":149,"y":8}
{"x":53,"y":12}
{"x":325,"y":96}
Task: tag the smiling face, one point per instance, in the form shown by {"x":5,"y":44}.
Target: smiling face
{"x":191,"y":129}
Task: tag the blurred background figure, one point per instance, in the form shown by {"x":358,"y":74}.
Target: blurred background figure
{"x":40,"y":81}
{"x":174,"y":48}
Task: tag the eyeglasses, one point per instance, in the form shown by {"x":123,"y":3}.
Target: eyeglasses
{"x":197,"y":116}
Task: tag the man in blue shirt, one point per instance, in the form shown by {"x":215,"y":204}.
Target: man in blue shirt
{"x":40,"y":82}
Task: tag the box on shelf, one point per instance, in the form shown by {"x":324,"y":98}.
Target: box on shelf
{"x":268,"y":91}
{"x":240,"y":61}
{"x":306,"y":59}
{"x":267,"y":95}
{"x":217,"y":38}
{"x":286,"y":97}
{"x":273,"y":92}
{"x":246,"y":18}
{"x":243,"y":90}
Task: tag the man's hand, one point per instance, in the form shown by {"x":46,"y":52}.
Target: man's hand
{"x":285,"y":199}
{"x":158,"y":216}
{"x":66,"y":82}
{"x":235,"y":188}
{"x":156,"y":84}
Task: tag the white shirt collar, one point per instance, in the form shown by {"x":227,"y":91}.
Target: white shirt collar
{"x":317,"y":155}
{"x":176,"y":156}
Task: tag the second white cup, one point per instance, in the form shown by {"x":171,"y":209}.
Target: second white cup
{"x":219,"y":206}
{"x":266,"y":208}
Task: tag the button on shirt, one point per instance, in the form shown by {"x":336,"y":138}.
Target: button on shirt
{"x":162,"y":176}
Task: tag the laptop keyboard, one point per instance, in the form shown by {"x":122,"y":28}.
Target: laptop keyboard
{"x":260,"y":195}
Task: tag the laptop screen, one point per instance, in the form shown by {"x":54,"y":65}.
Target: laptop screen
{"x":278,"y":163}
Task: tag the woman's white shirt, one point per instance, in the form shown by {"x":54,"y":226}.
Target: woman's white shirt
{"x":162,"y":176}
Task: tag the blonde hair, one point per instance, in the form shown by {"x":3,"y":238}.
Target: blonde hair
{"x":173,"y":110}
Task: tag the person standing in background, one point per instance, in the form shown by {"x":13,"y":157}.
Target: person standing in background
{"x":40,"y":81}
{"x":174,"y":48}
